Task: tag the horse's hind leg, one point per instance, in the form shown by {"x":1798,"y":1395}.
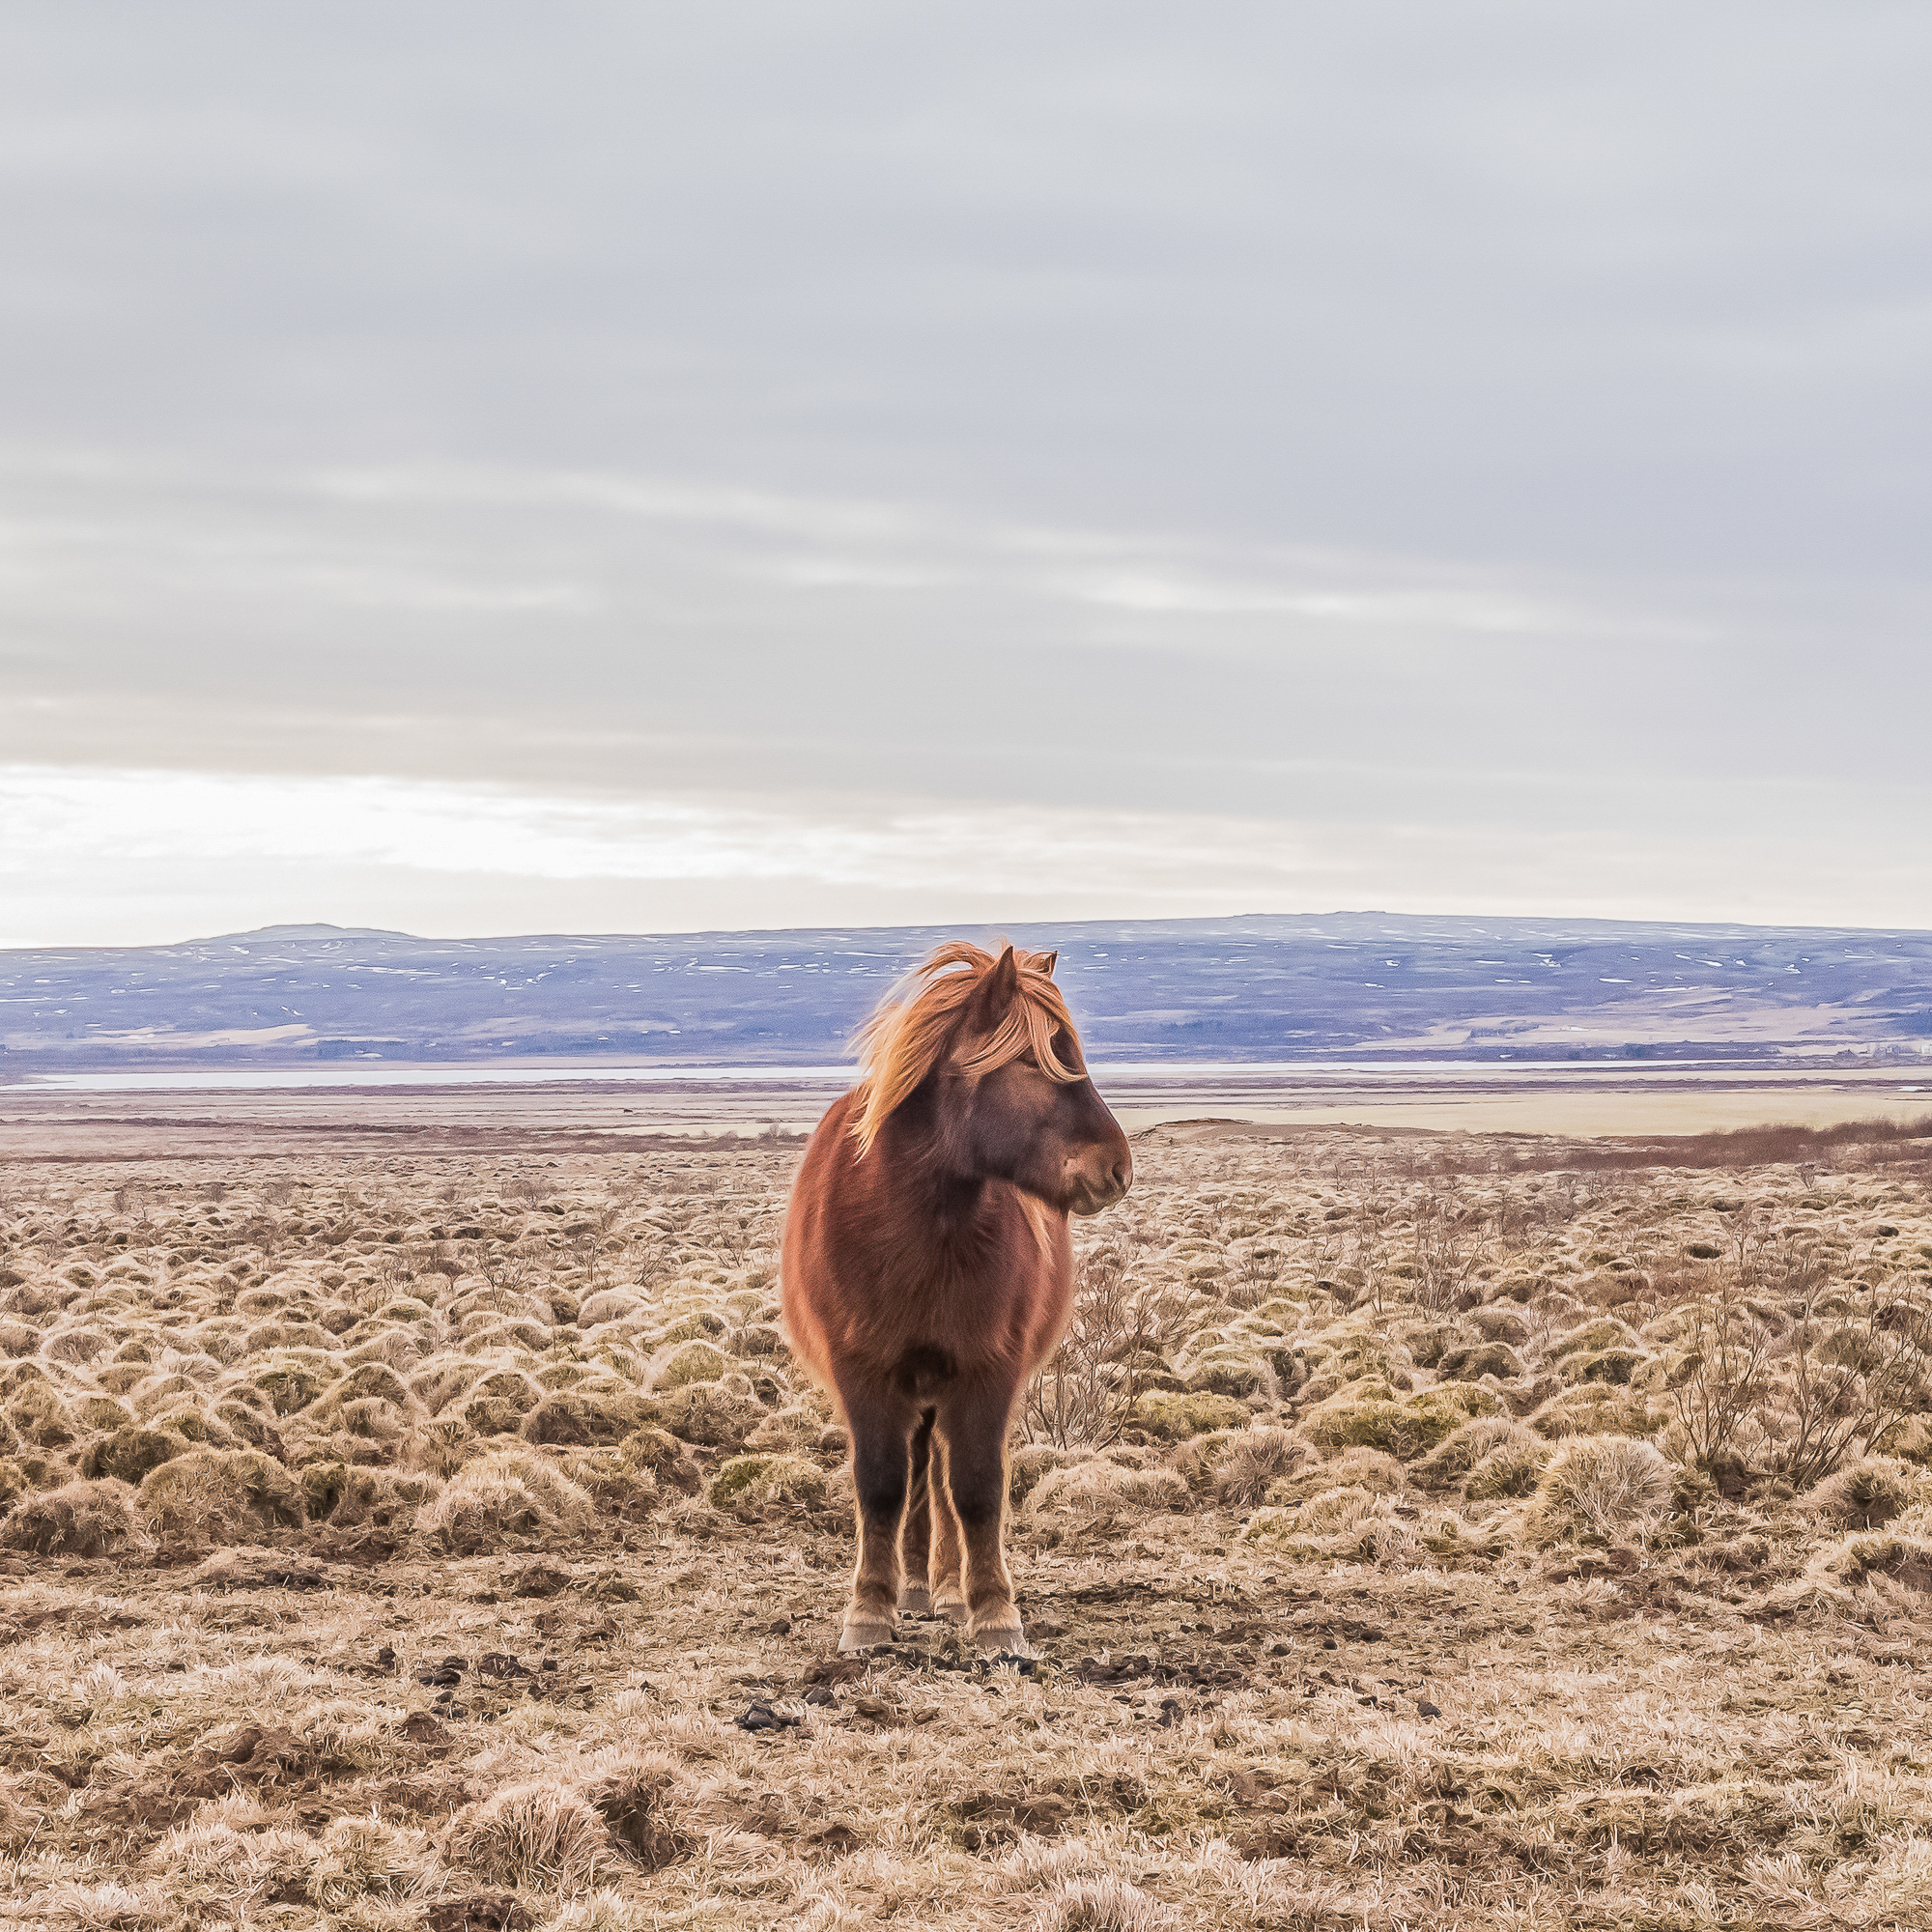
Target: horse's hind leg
{"x":949,"y":1556}
{"x":928,"y":1487}
{"x":974,"y":1423}
{"x":881,"y":1425}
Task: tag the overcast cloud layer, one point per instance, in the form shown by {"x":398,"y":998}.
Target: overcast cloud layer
{"x":476,"y":469}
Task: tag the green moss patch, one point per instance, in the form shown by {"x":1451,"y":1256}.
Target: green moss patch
{"x":1176,"y":1417}
{"x":747,"y":1483}
{"x":1405,"y":1426}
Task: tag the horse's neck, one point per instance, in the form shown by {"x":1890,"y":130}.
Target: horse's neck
{"x":960,"y":1211}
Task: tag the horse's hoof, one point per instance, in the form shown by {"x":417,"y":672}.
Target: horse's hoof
{"x":1007,"y":1643}
{"x":953,"y":1609}
{"x":915,"y":1600}
{"x":863,"y":1635}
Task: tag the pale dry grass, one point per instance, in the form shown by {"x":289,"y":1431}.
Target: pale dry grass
{"x":504,"y":1497}
{"x":1480,"y":1649}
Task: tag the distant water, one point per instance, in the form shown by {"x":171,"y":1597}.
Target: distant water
{"x":216,"y":1079}
{"x":220,"y":1078}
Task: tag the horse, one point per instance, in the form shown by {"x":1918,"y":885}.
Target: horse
{"x":927,"y":1269}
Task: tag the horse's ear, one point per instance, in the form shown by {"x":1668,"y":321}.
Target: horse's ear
{"x":996,"y":992}
{"x":1044,"y":962}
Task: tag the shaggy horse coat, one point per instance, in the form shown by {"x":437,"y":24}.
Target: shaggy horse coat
{"x":927,"y":1269}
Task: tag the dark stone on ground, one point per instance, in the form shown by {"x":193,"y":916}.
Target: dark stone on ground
{"x":763,"y":1717}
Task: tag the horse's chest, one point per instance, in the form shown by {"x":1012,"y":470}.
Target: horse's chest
{"x":970,"y":1310}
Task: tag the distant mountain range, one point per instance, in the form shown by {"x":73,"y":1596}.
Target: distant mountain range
{"x":1351,"y":985}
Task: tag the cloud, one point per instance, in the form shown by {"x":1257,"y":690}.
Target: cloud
{"x":100,"y":856}
{"x":719,"y":465}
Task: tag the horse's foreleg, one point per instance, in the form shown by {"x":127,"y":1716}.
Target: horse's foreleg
{"x":881,"y":1425}
{"x":928,"y":1487}
{"x":975,"y":1427}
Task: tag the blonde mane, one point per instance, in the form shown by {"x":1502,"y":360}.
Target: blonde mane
{"x":899,"y":1044}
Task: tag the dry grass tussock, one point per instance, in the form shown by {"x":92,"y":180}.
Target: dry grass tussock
{"x":1100,"y":1495}
{"x":505,"y":1498}
{"x":77,"y":1518}
{"x":1415,"y":1533}
{"x":210,"y":1497}
{"x":1602,"y":1486}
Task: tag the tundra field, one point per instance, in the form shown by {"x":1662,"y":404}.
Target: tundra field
{"x":1416,"y":1531}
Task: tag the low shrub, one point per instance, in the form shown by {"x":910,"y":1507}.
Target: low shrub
{"x":496,"y":1402}
{"x":379,"y":1498}
{"x":368,"y":1861}
{"x":197,"y":1429}
{"x":376,"y":1380}
{"x":641,"y":1796}
{"x":1033,"y":1461}
{"x":249,"y":1425}
{"x":1428,"y":1341}
{"x":41,"y":1418}
{"x":1325,"y":1514}
{"x":796,"y":1430}
{"x":74,"y":1344}
{"x":1488,"y":1358}
{"x":322,"y":1485}
{"x":704,"y":1324}
{"x":442,"y":1447}
{"x":292,"y":1384}
{"x":1337,"y":1508}
{"x":1594,"y":1337}
{"x":1616,"y":1366}
{"x":1230,"y":1371}
{"x":1499,"y":1322}
{"x":681,"y":1362}
{"x":608,"y":1304}
{"x":532,"y":1835}
{"x":102,"y":1411}
{"x":1597,"y":1408}
{"x":617,"y":1487}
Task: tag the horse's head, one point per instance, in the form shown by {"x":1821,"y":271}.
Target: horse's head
{"x":1015,"y":1101}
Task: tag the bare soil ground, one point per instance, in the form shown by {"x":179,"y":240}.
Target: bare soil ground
{"x":1417,"y":1531}
{"x":577,"y":1112}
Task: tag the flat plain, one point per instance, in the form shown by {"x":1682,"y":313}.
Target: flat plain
{"x":427,"y":1529}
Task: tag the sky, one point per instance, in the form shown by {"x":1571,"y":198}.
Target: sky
{"x":608,"y":467}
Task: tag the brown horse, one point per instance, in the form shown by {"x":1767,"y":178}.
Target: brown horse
{"x":929,"y":1270}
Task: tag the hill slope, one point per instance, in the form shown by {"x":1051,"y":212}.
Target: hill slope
{"x":1253,"y":988}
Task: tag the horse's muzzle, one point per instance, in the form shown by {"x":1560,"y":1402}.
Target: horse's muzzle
{"x":1099,"y":1182}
